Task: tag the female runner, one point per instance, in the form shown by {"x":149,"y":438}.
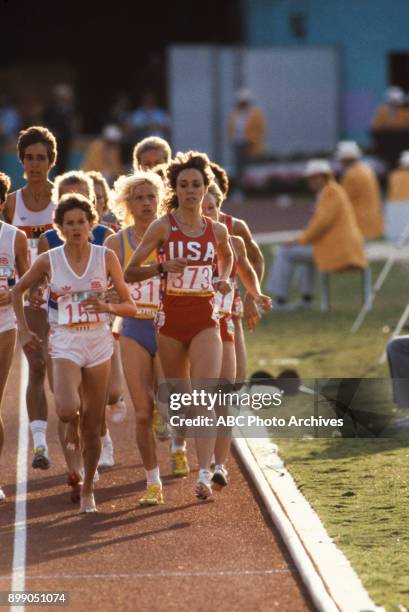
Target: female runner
{"x":138,"y":197}
{"x":80,"y":182}
{"x":211,"y":208}
{"x":31,"y":209}
{"x":81,"y":341}
{"x":102,"y":200}
{"x":189,"y":343}
{"x":13,"y":256}
{"x":238,"y":227}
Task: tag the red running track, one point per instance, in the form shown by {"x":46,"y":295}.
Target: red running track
{"x":183,"y":556}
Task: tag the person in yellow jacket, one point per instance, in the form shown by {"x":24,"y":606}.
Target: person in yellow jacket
{"x":393,"y":114}
{"x":332,"y":240}
{"x":247,"y":131}
{"x":104,"y":154}
{"x":361,"y":184}
{"x":397,"y":217}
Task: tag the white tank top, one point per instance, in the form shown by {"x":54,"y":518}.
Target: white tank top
{"x":33,"y":223}
{"x":67,"y":289}
{"x":7,"y":269}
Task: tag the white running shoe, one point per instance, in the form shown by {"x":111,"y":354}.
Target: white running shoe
{"x":2,"y":495}
{"x":116,"y":413}
{"x":219,"y":478}
{"x":106,"y":458}
{"x":203,"y":489}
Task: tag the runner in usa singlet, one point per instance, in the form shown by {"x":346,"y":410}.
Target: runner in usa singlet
{"x":188,"y":301}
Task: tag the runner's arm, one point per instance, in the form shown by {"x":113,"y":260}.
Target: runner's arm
{"x":247,"y":274}
{"x":21,"y":248}
{"x":254,"y":254}
{"x":154,"y":237}
{"x":224,"y":257}
{"x":31,"y":278}
{"x":9,"y":207}
{"x":125,"y":307}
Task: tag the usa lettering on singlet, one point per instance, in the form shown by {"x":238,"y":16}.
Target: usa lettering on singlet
{"x":7,"y":272}
{"x":33,"y":223}
{"x":196,"y":279}
{"x":146,"y":293}
{"x":68,"y":290}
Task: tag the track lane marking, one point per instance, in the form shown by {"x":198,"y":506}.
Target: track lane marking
{"x":20,"y":522}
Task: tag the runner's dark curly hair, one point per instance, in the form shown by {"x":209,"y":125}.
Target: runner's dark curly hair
{"x":185,"y":161}
{"x":220,"y":177}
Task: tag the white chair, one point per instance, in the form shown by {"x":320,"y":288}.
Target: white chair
{"x":324,"y":282}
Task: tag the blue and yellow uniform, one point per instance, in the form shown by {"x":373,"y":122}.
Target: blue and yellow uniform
{"x":140,"y":327}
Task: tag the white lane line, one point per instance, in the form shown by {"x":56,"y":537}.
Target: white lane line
{"x":20,"y":523}
{"x":163,"y":574}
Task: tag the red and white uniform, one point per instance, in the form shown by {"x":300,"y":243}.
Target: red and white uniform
{"x":33,"y":223}
{"x":7,"y":273}
{"x":237,"y":309}
{"x":225,"y":304}
{"x":188,"y":301}
{"x":77,"y":334}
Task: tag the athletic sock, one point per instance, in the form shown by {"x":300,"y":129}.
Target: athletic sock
{"x":106,"y":440}
{"x":175,"y":447}
{"x":152,"y":476}
{"x":38,"y":431}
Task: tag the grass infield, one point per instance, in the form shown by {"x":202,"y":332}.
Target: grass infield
{"x":359,"y":487}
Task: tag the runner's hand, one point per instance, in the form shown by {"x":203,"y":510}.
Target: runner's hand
{"x":251,"y":313}
{"x":29,"y":340}
{"x":264,"y":301}
{"x":222,"y":287}
{"x":94,"y":304}
{"x":175,"y":265}
{"x":5,"y":297}
{"x":35,"y":297}
{"x":112,"y":296}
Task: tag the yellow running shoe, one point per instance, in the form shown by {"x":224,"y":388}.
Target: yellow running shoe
{"x":180,"y":464}
{"x":159,"y":425}
{"x":153,"y":496}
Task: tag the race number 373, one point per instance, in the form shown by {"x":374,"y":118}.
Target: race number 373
{"x":33,"y":598}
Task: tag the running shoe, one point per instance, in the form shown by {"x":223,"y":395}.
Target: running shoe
{"x":40,"y":459}
{"x":153,"y":496}
{"x":180,"y":465}
{"x":106,"y":458}
{"x":219,"y":478}
{"x":2,"y":495}
{"x":74,"y":481}
{"x":116,"y":413}
{"x":203,"y":489}
{"x":87,"y":505}
{"x":159,"y":425}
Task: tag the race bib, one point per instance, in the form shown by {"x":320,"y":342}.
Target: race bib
{"x":71,"y":310}
{"x":146,"y":295}
{"x":193,"y":280}
{"x":6,"y":272}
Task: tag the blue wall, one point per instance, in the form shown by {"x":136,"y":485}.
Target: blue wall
{"x":365,"y":31}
